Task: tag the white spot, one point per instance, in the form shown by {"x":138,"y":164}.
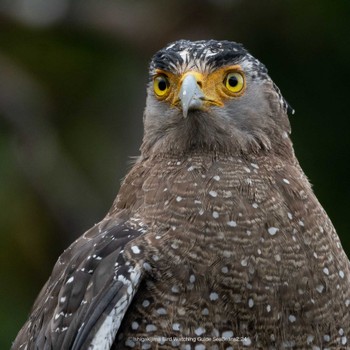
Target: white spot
{"x":199,"y":331}
{"x":347,"y":302}
{"x":326,"y":271}
{"x":320,"y":288}
{"x":175,"y":289}
{"x":248,"y":232}
{"x":175,"y":343}
{"x":201,"y":211}
{"x":227,"y":253}
{"x":286,"y":181}
{"x":326,"y":338}
{"x":205,"y":312}
{"x":178,"y":163}
{"x":301,"y":223}
{"x":196,"y":201}
{"x":341,"y":331}
{"x":246,"y":169}
{"x":292,"y":318}
{"x":224,"y":269}
{"x":175,"y":245}
{"x":255,"y":205}
{"x":272,"y":230}
{"x":135,"y":249}
{"x":151,"y":328}
{"x":259,"y":251}
{"x":227,"y":334}
{"x":344,"y":340}
{"x":341,"y":274}
{"x":161,"y":311}
{"x":165,"y":189}
{"x":178,"y":199}
{"x":135,"y":326}
{"x":145,"y":303}
{"x":216,"y":178}
{"x":310,"y":339}
{"x":246,"y":341}
{"x":290,"y":216}
{"x":277,"y":257}
{"x":244,"y":262}
{"x":192,"y":278}
{"x":215,"y":214}
{"x":130,"y":343}
{"x":232,"y":223}
{"x":200,"y":347}
{"x":268,"y":308}
{"x":213,"y":193}
{"x":213,"y":296}
{"x":147,"y":266}
{"x":254,"y":165}
{"x":284,"y":135}
{"x":70,"y":280}
{"x":227,"y":194}
{"x":63,"y":299}
{"x":250,"y":302}
{"x":315,"y":255}
{"x":176,"y":327}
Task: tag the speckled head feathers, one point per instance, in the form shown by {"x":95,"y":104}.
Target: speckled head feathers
{"x":212,"y":53}
{"x":208,"y":55}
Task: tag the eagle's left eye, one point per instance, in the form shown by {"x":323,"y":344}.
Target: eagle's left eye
{"x":161,"y":85}
{"x":234,"y":82}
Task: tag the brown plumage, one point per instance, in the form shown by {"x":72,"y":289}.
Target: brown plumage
{"x":215,"y":240}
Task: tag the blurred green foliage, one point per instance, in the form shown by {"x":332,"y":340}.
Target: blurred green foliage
{"x":72,"y":91}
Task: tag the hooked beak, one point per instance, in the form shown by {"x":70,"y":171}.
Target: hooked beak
{"x":191,"y":95}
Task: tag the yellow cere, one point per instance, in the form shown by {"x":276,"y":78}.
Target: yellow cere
{"x":224,"y":83}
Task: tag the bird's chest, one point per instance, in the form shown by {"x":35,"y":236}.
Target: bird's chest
{"x":204,"y":219}
{"x":203,"y":228}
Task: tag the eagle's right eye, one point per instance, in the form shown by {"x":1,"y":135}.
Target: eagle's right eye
{"x":161,"y":85}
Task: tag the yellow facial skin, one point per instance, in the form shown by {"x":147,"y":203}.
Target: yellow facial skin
{"x":225,"y":83}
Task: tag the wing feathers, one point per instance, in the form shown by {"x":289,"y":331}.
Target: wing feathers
{"x":90,"y":288}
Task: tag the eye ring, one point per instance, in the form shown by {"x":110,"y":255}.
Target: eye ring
{"x":161,"y":85}
{"x":234,"y":82}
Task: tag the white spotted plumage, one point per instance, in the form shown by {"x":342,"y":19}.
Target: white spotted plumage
{"x":215,"y":234}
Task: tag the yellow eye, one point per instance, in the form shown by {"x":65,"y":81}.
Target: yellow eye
{"x":234,"y":82}
{"x":161,"y":85}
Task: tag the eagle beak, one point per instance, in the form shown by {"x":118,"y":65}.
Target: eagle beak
{"x":191,"y":95}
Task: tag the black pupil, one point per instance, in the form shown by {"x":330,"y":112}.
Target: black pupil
{"x":162,"y":85}
{"x":232,"y":81}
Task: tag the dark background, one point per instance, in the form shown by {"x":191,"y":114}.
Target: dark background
{"x":72,"y":92}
